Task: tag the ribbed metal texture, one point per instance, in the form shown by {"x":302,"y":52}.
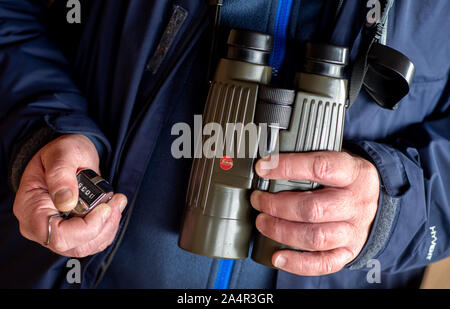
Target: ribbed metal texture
{"x":317,"y":124}
{"x":240,"y":104}
{"x":321,"y":126}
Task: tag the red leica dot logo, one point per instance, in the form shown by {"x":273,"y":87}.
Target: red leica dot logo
{"x":226,"y":163}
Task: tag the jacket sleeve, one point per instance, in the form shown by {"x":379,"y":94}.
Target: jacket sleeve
{"x":36,"y":89}
{"x":412,"y":226}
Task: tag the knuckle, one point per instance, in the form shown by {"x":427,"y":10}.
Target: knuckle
{"x":321,"y":167}
{"x":275,"y":229}
{"x":58,"y":171}
{"x":371,"y":171}
{"x":347,"y":195}
{"x":98,"y":228}
{"x":288,"y":171}
{"x":81,"y":252}
{"x":351,"y":252}
{"x":342,"y":234}
{"x":77,"y":252}
{"x":94,"y":226}
{"x":90,"y":231}
{"x":327,"y":265}
{"x":115,"y":222}
{"x":314,"y":211}
{"x":271,"y":205}
{"x":346,"y":200}
{"x":357,"y":168}
{"x":318,"y":238}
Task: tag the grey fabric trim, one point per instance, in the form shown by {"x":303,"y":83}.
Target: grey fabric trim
{"x":30,"y":147}
{"x":381,"y":232}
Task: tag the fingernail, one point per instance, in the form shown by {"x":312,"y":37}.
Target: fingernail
{"x":261,"y":222}
{"x":254,"y":199}
{"x":123,"y":204}
{"x":280,"y":261}
{"x":63,"y":196}
{"x":261,"y":168}
{"x":106,"y":213}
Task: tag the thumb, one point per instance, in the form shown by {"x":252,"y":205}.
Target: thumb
{"x":62,"y":184}
{"x":61,"y":162}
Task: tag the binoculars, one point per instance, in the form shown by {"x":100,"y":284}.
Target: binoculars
{"x":219,"y":220}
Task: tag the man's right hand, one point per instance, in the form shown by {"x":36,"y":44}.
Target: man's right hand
{"x":49,"y":185}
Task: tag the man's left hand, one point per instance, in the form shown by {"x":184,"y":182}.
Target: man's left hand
{"x":332,"y":223}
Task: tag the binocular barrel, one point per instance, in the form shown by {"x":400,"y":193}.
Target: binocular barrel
{"x":317,"y":123}
{"x":219,"y":220}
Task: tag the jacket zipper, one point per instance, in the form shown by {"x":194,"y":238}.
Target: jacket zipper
{"x":279,"y":35}
{"x":224,"y":274}
{"x":276,"y":61}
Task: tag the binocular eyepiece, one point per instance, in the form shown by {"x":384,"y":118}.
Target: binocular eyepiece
{"x":250,"y":46}
{"x":219,"y":219}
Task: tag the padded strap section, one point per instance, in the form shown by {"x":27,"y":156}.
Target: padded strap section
{"x":383,"y":72}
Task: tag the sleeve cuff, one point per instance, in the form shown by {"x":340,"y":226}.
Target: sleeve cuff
{"x":51,"y":129}
{"x":393,"y":184}
{"x":380,"y":232}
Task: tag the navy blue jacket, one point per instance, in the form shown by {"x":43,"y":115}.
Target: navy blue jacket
{"x":93,"y":79}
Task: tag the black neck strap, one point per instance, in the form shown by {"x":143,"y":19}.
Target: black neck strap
{"x":383,"y":72}
{"x":214,"y":8}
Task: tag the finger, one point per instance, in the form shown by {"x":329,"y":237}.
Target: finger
{"x":74,"y":232}
{"x":61,"y":177}
{"x":329,"y":168}
{"x":32,"y":191}
{"x":96,"y":245}
{"x":312,"y":263}
{"x":305,"y":236}
{"x":61,"y":160}
{"x":33,"y":210}
{"x":324,"y":205}
{"x":107,"y":235}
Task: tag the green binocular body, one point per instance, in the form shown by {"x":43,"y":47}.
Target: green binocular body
{"x":219,"y":220}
